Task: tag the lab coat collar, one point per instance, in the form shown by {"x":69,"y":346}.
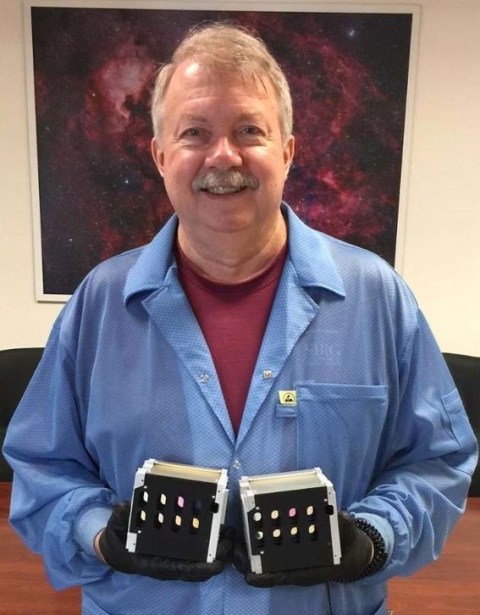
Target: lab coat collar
{"x":309,"y":254}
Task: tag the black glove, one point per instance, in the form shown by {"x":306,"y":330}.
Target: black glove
{"x":112,"y":547}
{"x":357,"y":550}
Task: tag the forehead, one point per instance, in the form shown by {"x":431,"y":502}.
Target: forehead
{"x":193,"y":81}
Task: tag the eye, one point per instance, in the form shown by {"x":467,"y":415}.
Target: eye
{"x":191,"y":132}
{"x":252,"y":130}
{"x":251,"y":134}
{"x":193,"y":137}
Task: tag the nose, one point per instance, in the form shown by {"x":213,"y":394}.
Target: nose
{"x":223,"y":155}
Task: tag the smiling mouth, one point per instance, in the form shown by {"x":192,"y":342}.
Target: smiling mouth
{"x":224,"y":189}
{"x":224,"y":182}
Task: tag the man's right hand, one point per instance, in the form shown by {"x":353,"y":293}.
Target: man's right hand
{"x":111,"y":547}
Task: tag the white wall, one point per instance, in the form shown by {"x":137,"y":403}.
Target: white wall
{"x":442,"y":230}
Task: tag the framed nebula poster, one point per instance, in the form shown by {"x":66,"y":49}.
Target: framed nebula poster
{"x":90,"y":67}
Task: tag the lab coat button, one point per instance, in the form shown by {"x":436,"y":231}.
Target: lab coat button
{"x":204,"y":378}
{"x":236,"y":464}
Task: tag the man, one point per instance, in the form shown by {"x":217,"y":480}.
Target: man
{"x":181,"y":350}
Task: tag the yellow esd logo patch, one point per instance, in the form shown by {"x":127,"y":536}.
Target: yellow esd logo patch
{"x":287,"y":398}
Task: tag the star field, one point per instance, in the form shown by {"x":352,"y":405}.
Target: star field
{"x":100,"y":193}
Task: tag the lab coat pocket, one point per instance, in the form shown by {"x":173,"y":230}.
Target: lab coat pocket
{"x":339,"y":427}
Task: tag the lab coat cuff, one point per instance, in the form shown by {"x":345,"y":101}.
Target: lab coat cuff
{"x":87,"y":525}
{"x":384,"y":527}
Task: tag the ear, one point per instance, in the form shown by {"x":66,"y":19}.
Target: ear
{"x":157,"y":155}
{"x":288,"y":152}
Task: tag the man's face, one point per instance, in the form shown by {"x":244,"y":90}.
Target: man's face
{"x":212,"y":126}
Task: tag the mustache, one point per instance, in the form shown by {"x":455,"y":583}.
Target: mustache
{"x":224,"y":179}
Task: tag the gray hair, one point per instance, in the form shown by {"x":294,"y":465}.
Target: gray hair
{"x":229,"y":50}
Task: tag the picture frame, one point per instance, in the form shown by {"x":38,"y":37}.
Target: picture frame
{"x":89,"y":65}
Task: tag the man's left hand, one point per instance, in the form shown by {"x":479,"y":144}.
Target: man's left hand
{"x":357,"y":553}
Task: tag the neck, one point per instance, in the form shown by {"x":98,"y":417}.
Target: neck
{"x":232,"y":260}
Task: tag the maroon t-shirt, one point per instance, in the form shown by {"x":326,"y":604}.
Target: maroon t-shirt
{"x":233,"y":318}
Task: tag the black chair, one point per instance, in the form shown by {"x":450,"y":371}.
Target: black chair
{"x":16,"y":369}
{"x":465,"y":371}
